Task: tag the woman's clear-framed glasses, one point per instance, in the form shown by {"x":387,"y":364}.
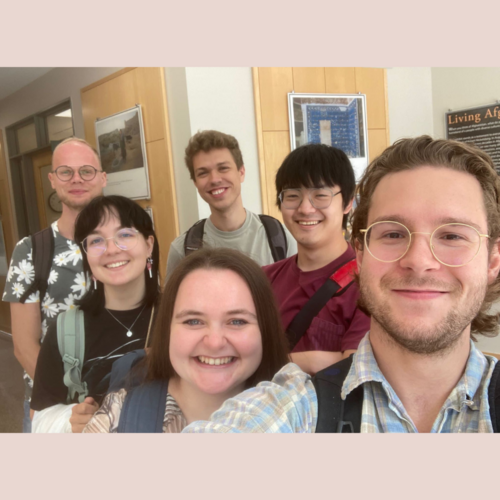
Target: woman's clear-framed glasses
{"x":86,"y":172}
{"x":124,"y":239}
{"x":319,"y":197}
{"x":453,"y":245}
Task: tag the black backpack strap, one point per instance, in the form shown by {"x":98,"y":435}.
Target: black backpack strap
{"x":144,"y":408}
{"x":121,"y":369}
{"x":494,"y":397}
{"x":194,"y":237}
{"x":42,"y":253}
{"x":276,"y":237}
{"x":334,"y":414}
{"x":334,"y":286}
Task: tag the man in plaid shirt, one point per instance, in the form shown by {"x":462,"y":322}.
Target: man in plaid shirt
{"x":426,"y":232}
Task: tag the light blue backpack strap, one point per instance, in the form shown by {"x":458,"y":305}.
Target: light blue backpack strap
{"x":71,"y":342}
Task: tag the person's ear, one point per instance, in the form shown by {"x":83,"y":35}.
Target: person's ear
{"x":494,"y":262}
{"x":150,"y":243}
{"x":348,"y":208}
{"x":359,"y":253}
{"x":242,"y":173}
{"x":52,"y":178}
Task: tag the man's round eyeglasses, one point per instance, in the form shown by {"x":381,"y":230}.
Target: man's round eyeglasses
{"x":86,"y":172}
{"x":124,"y":239}
{"x":453,"y":245}
{"x":319,"y":197}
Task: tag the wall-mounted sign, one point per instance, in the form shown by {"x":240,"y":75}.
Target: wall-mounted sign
{"x":479,"y":126}
{"x":337,"y":120}
{"x":122,"y":148}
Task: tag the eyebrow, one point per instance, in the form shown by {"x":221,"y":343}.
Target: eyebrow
{"x":187,"y":312}
{"x":192,"y":312}
{"x":439,"y":222}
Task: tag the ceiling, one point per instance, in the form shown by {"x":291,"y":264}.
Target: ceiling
{"x":13,"y":79}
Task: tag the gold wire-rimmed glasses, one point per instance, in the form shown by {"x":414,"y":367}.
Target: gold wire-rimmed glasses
{"x":454,"y":244}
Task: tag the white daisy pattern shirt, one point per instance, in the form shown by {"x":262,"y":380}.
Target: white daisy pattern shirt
{"x":66,"y":283}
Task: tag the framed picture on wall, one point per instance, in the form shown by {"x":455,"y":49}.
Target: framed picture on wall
{"x":337,"y":120}
{"x":122,"y":148}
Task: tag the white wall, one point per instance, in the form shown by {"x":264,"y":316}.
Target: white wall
{"x":222,"y":99}
{"x":459,"y":88}
{"x":410,"y":102}
{"x":180,"y":132}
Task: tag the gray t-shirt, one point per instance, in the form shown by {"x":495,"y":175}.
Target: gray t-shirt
{"x":250,"y":239}
{"x":66,"y":283}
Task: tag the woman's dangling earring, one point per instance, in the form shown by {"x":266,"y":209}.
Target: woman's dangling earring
{"x":95,"y":282}
{"x":149,"y":264}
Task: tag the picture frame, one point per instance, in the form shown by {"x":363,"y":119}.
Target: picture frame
{"x":122,"y":149}
{"x":338,"y":120}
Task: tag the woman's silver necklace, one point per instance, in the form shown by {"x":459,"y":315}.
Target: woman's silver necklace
{"x":129,"y":330}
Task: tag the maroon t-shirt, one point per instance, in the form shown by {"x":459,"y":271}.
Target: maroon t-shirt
{"x":339,"y":326}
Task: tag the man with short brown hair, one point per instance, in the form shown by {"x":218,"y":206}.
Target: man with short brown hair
{"x":215,"y":163}
{"x":427,"y":234}
{"x":77,"y":177}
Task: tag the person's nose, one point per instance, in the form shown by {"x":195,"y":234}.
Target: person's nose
{"x":419,"y":256}
{"x":215,"y":177}
{"x":76,"y":179}
{"x":215,"y":338}
{"x":305,"y":206}
{"x":111,"y":247}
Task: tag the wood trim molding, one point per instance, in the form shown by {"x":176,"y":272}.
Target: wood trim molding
{"x":494,"y":354}
{"x":260,"y":140}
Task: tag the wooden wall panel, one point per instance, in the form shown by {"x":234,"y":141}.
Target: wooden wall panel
{"x":5,"y":204}
{"x":274,"y":84}
{"x":340,"y":81}
{"x":125,"y":89}
{"x":309,"y":80}
{"x":371,"y":81}
{"x":276,"y":147}
{"x":271,"y":86}
{"x":377,"y":142}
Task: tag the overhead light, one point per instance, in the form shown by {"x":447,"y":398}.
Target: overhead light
{"x":65,"y":114}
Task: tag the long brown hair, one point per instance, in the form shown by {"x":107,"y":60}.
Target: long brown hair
{"x":274,"y":344}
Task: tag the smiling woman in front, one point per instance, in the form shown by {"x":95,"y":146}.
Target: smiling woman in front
{"x":218,"y":332}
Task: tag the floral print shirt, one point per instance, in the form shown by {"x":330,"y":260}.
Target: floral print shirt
{"x":67,"y":282}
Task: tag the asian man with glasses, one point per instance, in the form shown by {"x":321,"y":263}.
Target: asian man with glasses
{"x":315,"y":188}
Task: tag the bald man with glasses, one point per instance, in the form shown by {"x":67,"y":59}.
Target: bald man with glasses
{"x":77,"y":178}
{"x":426,"y":231}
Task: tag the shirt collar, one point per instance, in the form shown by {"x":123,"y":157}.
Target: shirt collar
{"x":365,"y":369}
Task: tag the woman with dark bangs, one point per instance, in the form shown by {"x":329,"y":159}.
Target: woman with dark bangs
{"x":218,"y":332}
{"x":120,"y":255}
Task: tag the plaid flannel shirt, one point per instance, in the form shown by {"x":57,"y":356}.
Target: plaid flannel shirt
{"x":289,"y":402}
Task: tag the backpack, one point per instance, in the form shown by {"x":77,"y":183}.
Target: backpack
{"x":275,"y":233}
{"x":71,"y":343}
{"x":341,"y":279}
{"x":144,"y":407}
{"x":336,"y":415}
{"x":43,"y":252}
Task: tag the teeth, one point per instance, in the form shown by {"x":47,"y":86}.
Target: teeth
{"x":117,"y":264}
{"x":309,"y":223}
{"x":218,"y":191}
{"x":215,"y":361}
